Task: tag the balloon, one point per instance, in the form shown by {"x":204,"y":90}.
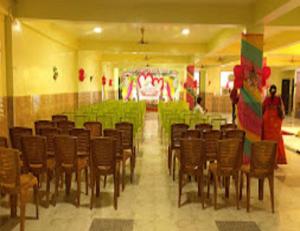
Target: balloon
{"x":110,"y":82}
{"x":81,"y":74}
{"x":266,"y":72}
{"x":103,"y":80}
{"x":238,"y":71}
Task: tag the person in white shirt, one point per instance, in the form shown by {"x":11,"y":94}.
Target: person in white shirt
{"x":198,"y":107}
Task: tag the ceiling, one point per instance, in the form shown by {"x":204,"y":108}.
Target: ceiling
{"x":131,"y":32}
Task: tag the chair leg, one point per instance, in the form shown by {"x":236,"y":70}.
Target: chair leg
{"x":131,"y":168}
{"x":97,"y":185}
{"x":86,"y":181}
{"x":208,"y":183}
{"x":115,"y":192}
{"x":248,"y":192}
{"x":227,"y":186}
{"x":48,"y":175}
{"x":215,"y":190}
{"x":260,"y":189}
{"x":174,"y":166}
{"x":78,"y":174}
{"x":104,"y":181}
{"x":236,"y":182}
{"x":22,"y":211}
{"x":271,"y":185}
{"x":179,"y":187}
{"x":92,"y":192}
{"x":123,"y":173}
{"x":57,"y":178}
{"x":36,"y":198}
{"x":13,"y":204}
{"x":68,"y":179}
{"x":169,"y":159}
{"x":241,"y":185}
{"x":201,"y":188}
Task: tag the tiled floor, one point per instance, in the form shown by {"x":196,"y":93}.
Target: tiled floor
{"x":151,"y":202}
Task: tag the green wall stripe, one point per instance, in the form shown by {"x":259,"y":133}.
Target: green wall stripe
{"x":252,"y":53}
{"x":255,"y":106}
{"x":247,"y":147}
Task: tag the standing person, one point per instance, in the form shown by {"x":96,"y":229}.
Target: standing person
{"x":198,"y":107}
{"x":272,"y":121}
{"x":234,"y":97}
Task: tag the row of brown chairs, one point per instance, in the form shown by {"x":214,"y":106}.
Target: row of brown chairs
{"x":193,"y":157}
{"x":202,"y":131}
{"x":40,"y":153}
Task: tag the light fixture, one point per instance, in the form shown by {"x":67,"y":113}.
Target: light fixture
{"x":16,"y":25}
{"x":98,"y":30}
{"x":185,"y":31}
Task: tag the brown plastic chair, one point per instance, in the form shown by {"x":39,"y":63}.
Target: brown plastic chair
{"x":203,"y":127}
{"x":50,"y":133}
{"x":94,"y":127}
{"x":103,"y":162}
{"x":42,"y":124}
{"x":16,"y":184}
{"x":16,"y":134}
{"x":262,"y":165}
{"x":117,"y":135}
{"x":83,"y":148}
{"x":67,"y":162}
{"x":36,"y":161}
{"x":225,"y":127}
{"x":211,"y":139}
{"x":56,"y":118}
{"x":191,"y":133}
{"x":191,"y":164}
{"x":228,"y":164}
{"x":176,"y":134}
{"x":65,"y":126}
{"x":3,"y":142}
{"x":127,"y":144}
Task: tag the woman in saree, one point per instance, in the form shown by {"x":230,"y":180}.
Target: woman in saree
{"x":273,"y":114}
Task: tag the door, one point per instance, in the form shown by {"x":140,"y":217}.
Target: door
{"x":285,"y":94}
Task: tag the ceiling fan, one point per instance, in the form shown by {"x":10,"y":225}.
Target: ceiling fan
{"x":142,"y":40}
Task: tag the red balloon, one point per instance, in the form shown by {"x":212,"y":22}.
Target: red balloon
{"x":110,"y":82}
{"x":238,"y":71}
{"x":266,"y":72}
{"x":81,"y":74}
{"x":103,"y":80}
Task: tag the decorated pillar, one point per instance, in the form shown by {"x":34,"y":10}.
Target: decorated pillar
{"x":248,"y":77}
{"x":190,"y":86}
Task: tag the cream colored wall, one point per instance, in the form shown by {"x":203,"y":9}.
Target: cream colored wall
{"x":2,"y":58}
{"x":212,"y":80}
{"x":36,"y":50}
{"x":90,"y":61}
{"x":278,"y":74}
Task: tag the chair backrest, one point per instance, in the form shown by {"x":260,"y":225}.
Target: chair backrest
{"x":83,"y":139}
{"x":103,"y":153}
{"x":65,"y":126}
{"x":16,"y":134}
{"x":9,"y":169}
{"x":50,"y":133}
{"x":127,"y":133}
{"x":117,"y":135}
{"x":56,"y":118}
{"x":94,"y":127}
{"x":176,"y":133}
{"x":66,"y":151}
{"x":263,"y":158}
{"x":34,"y":152}
{"x":235,"y":133}
{"x":42,"y":124}
{"x":228,"y":126}
{"x":203,"y":127}
{"x":229,"y":156}
{"x":211,"y":139}
{"x":191,"y":153}
{"x":3,"y":142}
{"x":191,"y":133}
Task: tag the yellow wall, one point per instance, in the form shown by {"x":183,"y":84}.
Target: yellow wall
{"x":2,"y":58}
{"x":212,"y":80}
{"x":278,"y":74}
{"x":35,"y":52}
{"x":90,"y":62}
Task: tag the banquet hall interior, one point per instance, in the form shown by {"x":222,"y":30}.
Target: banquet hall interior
{"x":150,"y":115}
